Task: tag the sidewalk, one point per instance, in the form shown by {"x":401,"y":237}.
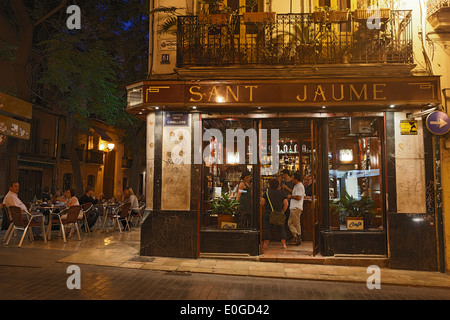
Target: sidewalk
{"x":115,"y":250}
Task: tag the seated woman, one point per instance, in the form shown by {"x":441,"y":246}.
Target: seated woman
{"x":70,"y":200}
{"x":130,"y":197}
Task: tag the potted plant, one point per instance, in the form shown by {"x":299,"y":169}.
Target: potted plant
{"x":364,"y":14}
{"x":356,"y":213}
{"x":339,"y":16}
{"x":259,"y":17}
{"x":224,"y":207}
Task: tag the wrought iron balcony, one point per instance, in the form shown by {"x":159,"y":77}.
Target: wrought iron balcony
{"x":295,"y":39}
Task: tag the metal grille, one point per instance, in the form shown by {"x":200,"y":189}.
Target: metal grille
{"x":294,"y":39}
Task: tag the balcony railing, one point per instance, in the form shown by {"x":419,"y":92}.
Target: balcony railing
{"x":294,"y":39}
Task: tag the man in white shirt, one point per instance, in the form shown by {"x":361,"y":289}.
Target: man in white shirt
{"x":296,"y":208}
{"x":12,"y":199}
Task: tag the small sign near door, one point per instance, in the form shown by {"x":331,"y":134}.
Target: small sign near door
{"x":408,"y":127}
{"x":176,"y":119}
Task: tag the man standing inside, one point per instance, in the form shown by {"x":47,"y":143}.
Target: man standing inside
{"x":296,"y":208}
{"x":287,"y":185}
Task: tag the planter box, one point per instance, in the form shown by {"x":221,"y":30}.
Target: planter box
{"x":224,"y":219}
{"x":259,"y":17}
{"x":320,"y":16}
{"x":364,"y":14}
{"x":216,"y":18}
{"x":338,"y":16}
{"x":355,"y":223}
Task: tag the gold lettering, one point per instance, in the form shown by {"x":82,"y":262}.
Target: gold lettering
{"x":320,"y":92}
{"x":342,"y":93}
{"x":305,"y":95}
{"x":251,"y":91}
{"x":199,"y":94}
{"x":376,"y":91}
{"x":235,"y":96}
{"x":358,"y":95}
{"x":212,"y":93}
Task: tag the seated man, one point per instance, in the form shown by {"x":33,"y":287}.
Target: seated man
{"x":87,"y":197}
{"x":12,"y":199}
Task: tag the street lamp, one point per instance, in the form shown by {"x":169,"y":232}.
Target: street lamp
{"x":106,"y":147}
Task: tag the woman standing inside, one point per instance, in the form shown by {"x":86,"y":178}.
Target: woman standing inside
{"x":273,"y":199}
{"x":244,"y":196}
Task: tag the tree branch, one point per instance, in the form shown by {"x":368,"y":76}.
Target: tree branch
{"x":48,"y":15}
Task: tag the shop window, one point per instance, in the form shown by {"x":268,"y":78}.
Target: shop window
{"x":355,"y":171}
{"x":228,"y":149}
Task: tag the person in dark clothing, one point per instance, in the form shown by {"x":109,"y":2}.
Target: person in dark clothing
{"x":45,"y":196}
{"x":87,"y":197}
{"x":279,"y":203}
{"x":308,"y":185}
{"x":244,"y":196}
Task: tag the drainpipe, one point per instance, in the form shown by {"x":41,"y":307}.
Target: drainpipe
{"x":437,"y":152}
{"x":151,"y":39}
{"x":423,"y":21}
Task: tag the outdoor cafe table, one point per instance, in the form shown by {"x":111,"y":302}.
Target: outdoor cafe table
{"x":109,"y":208}
{"x":51,"y":207}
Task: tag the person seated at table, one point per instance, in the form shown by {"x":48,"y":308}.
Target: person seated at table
{"x":58,"y":194}
{"x":46,"y":196}
{"x":130,"y":197}
{"x":101,"y":197}
{"x":88,"y":197}
{"x":12,"y":199}
{"x":70,"y":200}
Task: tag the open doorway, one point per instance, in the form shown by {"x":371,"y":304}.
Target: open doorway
{"x":298,"y":151}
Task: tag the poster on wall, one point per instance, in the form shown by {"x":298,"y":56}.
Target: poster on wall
{"x":408,"y":127}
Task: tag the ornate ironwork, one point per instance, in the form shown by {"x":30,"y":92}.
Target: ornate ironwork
{"x":294,"y":39}
{"x":435,"y":5}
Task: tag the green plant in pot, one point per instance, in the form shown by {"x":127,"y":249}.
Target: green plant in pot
{"x":224,"y":207}
{"x":349,"y":208}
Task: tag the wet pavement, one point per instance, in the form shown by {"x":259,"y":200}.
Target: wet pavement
{"x":111,"y":268}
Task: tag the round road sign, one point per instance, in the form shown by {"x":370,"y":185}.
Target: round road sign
{"x":438,"y":123}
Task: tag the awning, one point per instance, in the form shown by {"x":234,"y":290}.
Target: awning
{"x":102,"y":133}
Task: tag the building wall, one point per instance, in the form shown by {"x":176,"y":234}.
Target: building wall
{"x":410,"y":168}
{"x":409,"y":150}
{"x":438,"y":47}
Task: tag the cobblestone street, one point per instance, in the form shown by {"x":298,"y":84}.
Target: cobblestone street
{"x":130,"y":284}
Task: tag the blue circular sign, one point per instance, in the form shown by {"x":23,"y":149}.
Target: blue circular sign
{"x":438,"y":123}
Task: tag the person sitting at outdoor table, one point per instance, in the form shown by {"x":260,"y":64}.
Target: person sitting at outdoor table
{"x":88,"y":197}
{"x":45,"y":196}
{"x":12,"y":199}
{"x":130,"y":197}
{"x":70,"y":200}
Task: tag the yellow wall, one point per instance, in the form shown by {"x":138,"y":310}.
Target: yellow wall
{"x":445,"y":162}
